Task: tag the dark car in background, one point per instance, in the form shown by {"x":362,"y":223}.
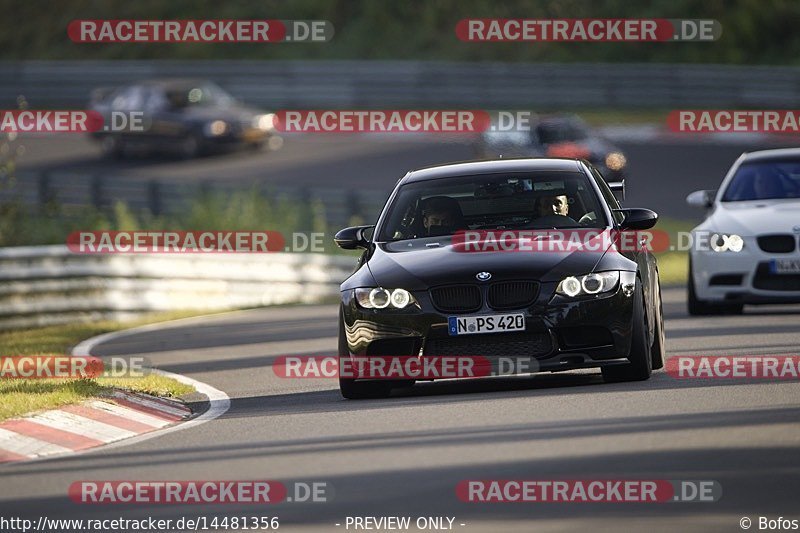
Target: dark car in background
{"x":556,"y":136}
{"x":563,"y":309}
{"x":181,"y":116}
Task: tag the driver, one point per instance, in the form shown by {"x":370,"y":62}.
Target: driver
{"x":553,"y":205}
{"x":440,"y":216}
{"x":552,"y":211}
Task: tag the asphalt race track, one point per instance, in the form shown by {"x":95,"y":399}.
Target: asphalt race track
{"x":660,"y":173}
{"x":405,"y":455}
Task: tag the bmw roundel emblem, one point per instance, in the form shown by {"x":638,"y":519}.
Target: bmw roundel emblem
{"x":796,"y":229}
{"x":483,"y":276}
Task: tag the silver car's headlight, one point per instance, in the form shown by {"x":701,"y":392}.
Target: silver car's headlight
{"x":589,"y":284}
{"x":264,"y":122}
{"x":380,"y":298}
{"x":726,"y":242}
{"x":615,"y":161}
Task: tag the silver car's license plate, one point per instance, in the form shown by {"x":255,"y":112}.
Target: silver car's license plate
{"x":785,"y":266}
{"x":471,"y":325}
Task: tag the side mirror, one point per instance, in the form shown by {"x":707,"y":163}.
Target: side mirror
{"x":352,"y":238}
{"x":703,"y":199}
{"x":637,"y":218}
{"x":618,"y":187}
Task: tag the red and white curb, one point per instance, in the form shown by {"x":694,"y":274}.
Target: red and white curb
{"x":124,"y":419}
{"x":86,"y":425}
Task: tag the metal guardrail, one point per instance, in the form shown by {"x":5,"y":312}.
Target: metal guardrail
{"x":364,"y":84}
{"x":161,"y":196}
{"x":42,"y":285}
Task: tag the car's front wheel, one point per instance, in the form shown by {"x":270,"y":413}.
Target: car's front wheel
{"x":640,"y":362}
{"x":658,"y":349}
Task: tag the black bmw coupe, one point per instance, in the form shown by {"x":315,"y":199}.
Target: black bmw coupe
{"x":517,"y":258}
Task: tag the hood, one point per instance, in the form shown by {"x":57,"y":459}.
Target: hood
{"x":414,"y":265}
{"x":757,"y":217}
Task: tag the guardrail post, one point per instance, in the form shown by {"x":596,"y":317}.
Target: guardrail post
{"x":306,"y":213}
{"x":354,"y":213}
{"x":46,"y":195}
{"x":96,"y":191}
{"x":154,"y":197}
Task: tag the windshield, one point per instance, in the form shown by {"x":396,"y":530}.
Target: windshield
{"x":764,"y":180}
{"x":520,"y":201}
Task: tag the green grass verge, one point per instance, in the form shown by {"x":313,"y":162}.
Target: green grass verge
{"x":673,"y":266}
{"x":22,"y":396}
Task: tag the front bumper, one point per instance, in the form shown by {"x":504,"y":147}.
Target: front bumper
{"x":743,"y":277}
{"x":560,"y":333}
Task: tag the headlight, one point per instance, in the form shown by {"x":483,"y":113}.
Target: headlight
{"x":380,"y":298}
{"x":721,"y":242}
{"x":264,"y":122}
{"x":216,"y":128}
{"x":615,"y":161}
{"x":594,"y":283}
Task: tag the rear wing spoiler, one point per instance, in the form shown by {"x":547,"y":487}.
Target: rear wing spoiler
{"x":618,"y":188}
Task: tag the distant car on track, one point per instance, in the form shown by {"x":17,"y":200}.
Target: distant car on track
{"x":415,"y":294}
{"x":183,"y":116}
{"x":556,"y":136}
{"x":748,"y":252}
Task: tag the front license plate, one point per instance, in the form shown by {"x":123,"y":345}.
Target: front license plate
{"x":785,"y":266}
{"x":471,"y":325}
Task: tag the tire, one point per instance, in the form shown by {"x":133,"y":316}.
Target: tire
{"x":358,"y":390}
{"x":658,"y":349}
{"x":698,"y":307}
{"x":640,"y":362}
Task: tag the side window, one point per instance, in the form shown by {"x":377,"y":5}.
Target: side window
{"x":130,"y":99}
{"x":611,"y":200}
{"x":155,"y":101}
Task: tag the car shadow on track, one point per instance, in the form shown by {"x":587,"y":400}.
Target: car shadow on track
{"x":472,"y":390}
